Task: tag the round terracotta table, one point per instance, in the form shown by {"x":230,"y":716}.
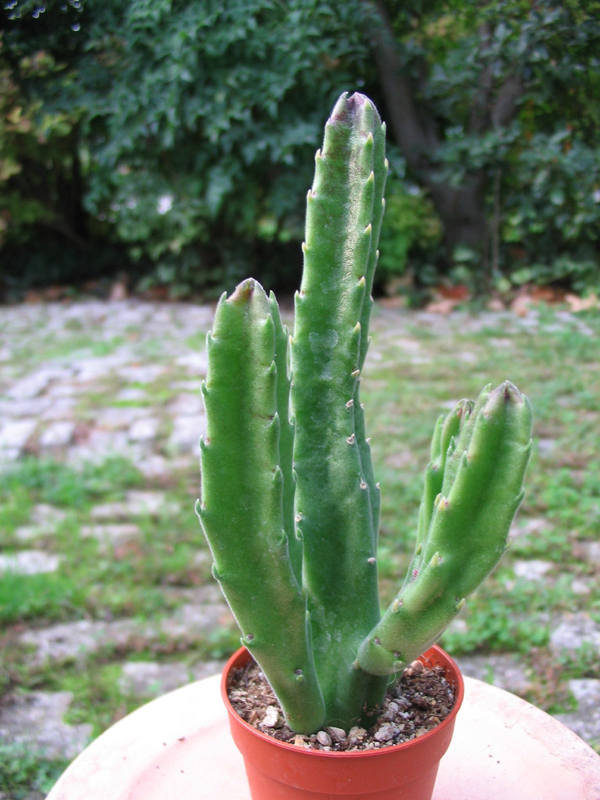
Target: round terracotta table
{"x":178,"y":748}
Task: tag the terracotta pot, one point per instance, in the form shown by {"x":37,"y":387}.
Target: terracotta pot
{"x":280,"y":771}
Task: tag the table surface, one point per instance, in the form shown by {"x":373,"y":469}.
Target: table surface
{"x":179,"y":746}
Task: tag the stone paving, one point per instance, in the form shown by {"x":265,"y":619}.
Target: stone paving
{"x":90,"y":395}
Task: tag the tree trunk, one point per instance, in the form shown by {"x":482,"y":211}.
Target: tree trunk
{"x":462,"y":209}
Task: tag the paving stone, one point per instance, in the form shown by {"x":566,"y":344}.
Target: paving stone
{"x":588,"y":551}
{"x":14,"y":435}
{"x":206,"y":669}
{"x":585,"y":720}
{"x":159,"y":467}
{"x":187,"y":386}
{"x":187,"y":404}
{"x":141,"y":373}
{"x":36,"y":720}
{"x":33,"y":407}
{"x":27,"y":533}
{"x":532,"y":569}
{"x":581,"y":586}
{"x":44,"y":521}
{"x":94,"y":368}
{"x":46,"y":514}
{"x":144,"y":430}
{"x":202,"y":558}
{"x":148,"y":679}
{"x":131,"y":395}
{"x":546,"y":446}
{"x":101,"y":445}
{"x":402,"y":460}
{"x":61,"y":409}
{"x":155,"y":466}
{"x":196,"y":363}
{"x":136,"y":504}
{"x":192,"y":620}
{"x":111,"y":536}
{"x":573,"y":632}
{"x":75,"y":641}
{"x":458,"y":625}
{"x":29,"y":562}
{"x":187,"y":431}
{"x":34,"y":384}
{"x":59,"y":434}
{"x":7,"y":456}
{"x":524,"y":526}
{"x":503,"y":670}
{"x":63,"y":390}
{"x":119,"y":416}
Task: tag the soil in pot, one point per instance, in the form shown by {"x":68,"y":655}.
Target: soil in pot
{"x":414,"y":705}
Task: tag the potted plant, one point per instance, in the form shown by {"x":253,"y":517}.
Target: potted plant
{"x":290,"y":506}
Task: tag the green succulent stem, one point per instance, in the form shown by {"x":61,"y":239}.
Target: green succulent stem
{"x":289,"y":501}
{"x":481,"y":490}
{"x":335,"y":489}
{"x":242,"y":506}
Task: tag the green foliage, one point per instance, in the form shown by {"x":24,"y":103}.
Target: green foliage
{"x":23,"y":771}
{"x":410,"y":226}
{"x":173,"y":138}
{"x":541,"y":169}
{"x":198,"y":118}
{"x":553,"y":210}
{"x":62,"y":485}
{"x":30,"y":139}
{"x":52,"y":596}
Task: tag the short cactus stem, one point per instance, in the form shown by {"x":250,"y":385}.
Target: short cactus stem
{"x":468,"y":530}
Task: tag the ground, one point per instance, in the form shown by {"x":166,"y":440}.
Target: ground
{"x":106,"y":595}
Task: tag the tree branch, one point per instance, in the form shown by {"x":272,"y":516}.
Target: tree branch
{"x":480,"y":112}
{"x":505,"y":107}
{"x":417,"y":140}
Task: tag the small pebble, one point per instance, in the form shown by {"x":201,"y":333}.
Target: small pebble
{"x":356,"y":735}
{"x":324,"y":738}
{"x":271,"y":718}
{"x":416,"y":668}
{"x":386,"y":732}
{"x":337,"y":734}
{"x":299,"y":741}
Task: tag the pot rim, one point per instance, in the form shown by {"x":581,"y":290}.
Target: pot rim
{"x":460,"y":693}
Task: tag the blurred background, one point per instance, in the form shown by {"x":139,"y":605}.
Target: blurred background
{"x":168,"y":145}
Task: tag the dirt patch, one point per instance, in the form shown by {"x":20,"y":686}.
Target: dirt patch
{"x":414,"y":705}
